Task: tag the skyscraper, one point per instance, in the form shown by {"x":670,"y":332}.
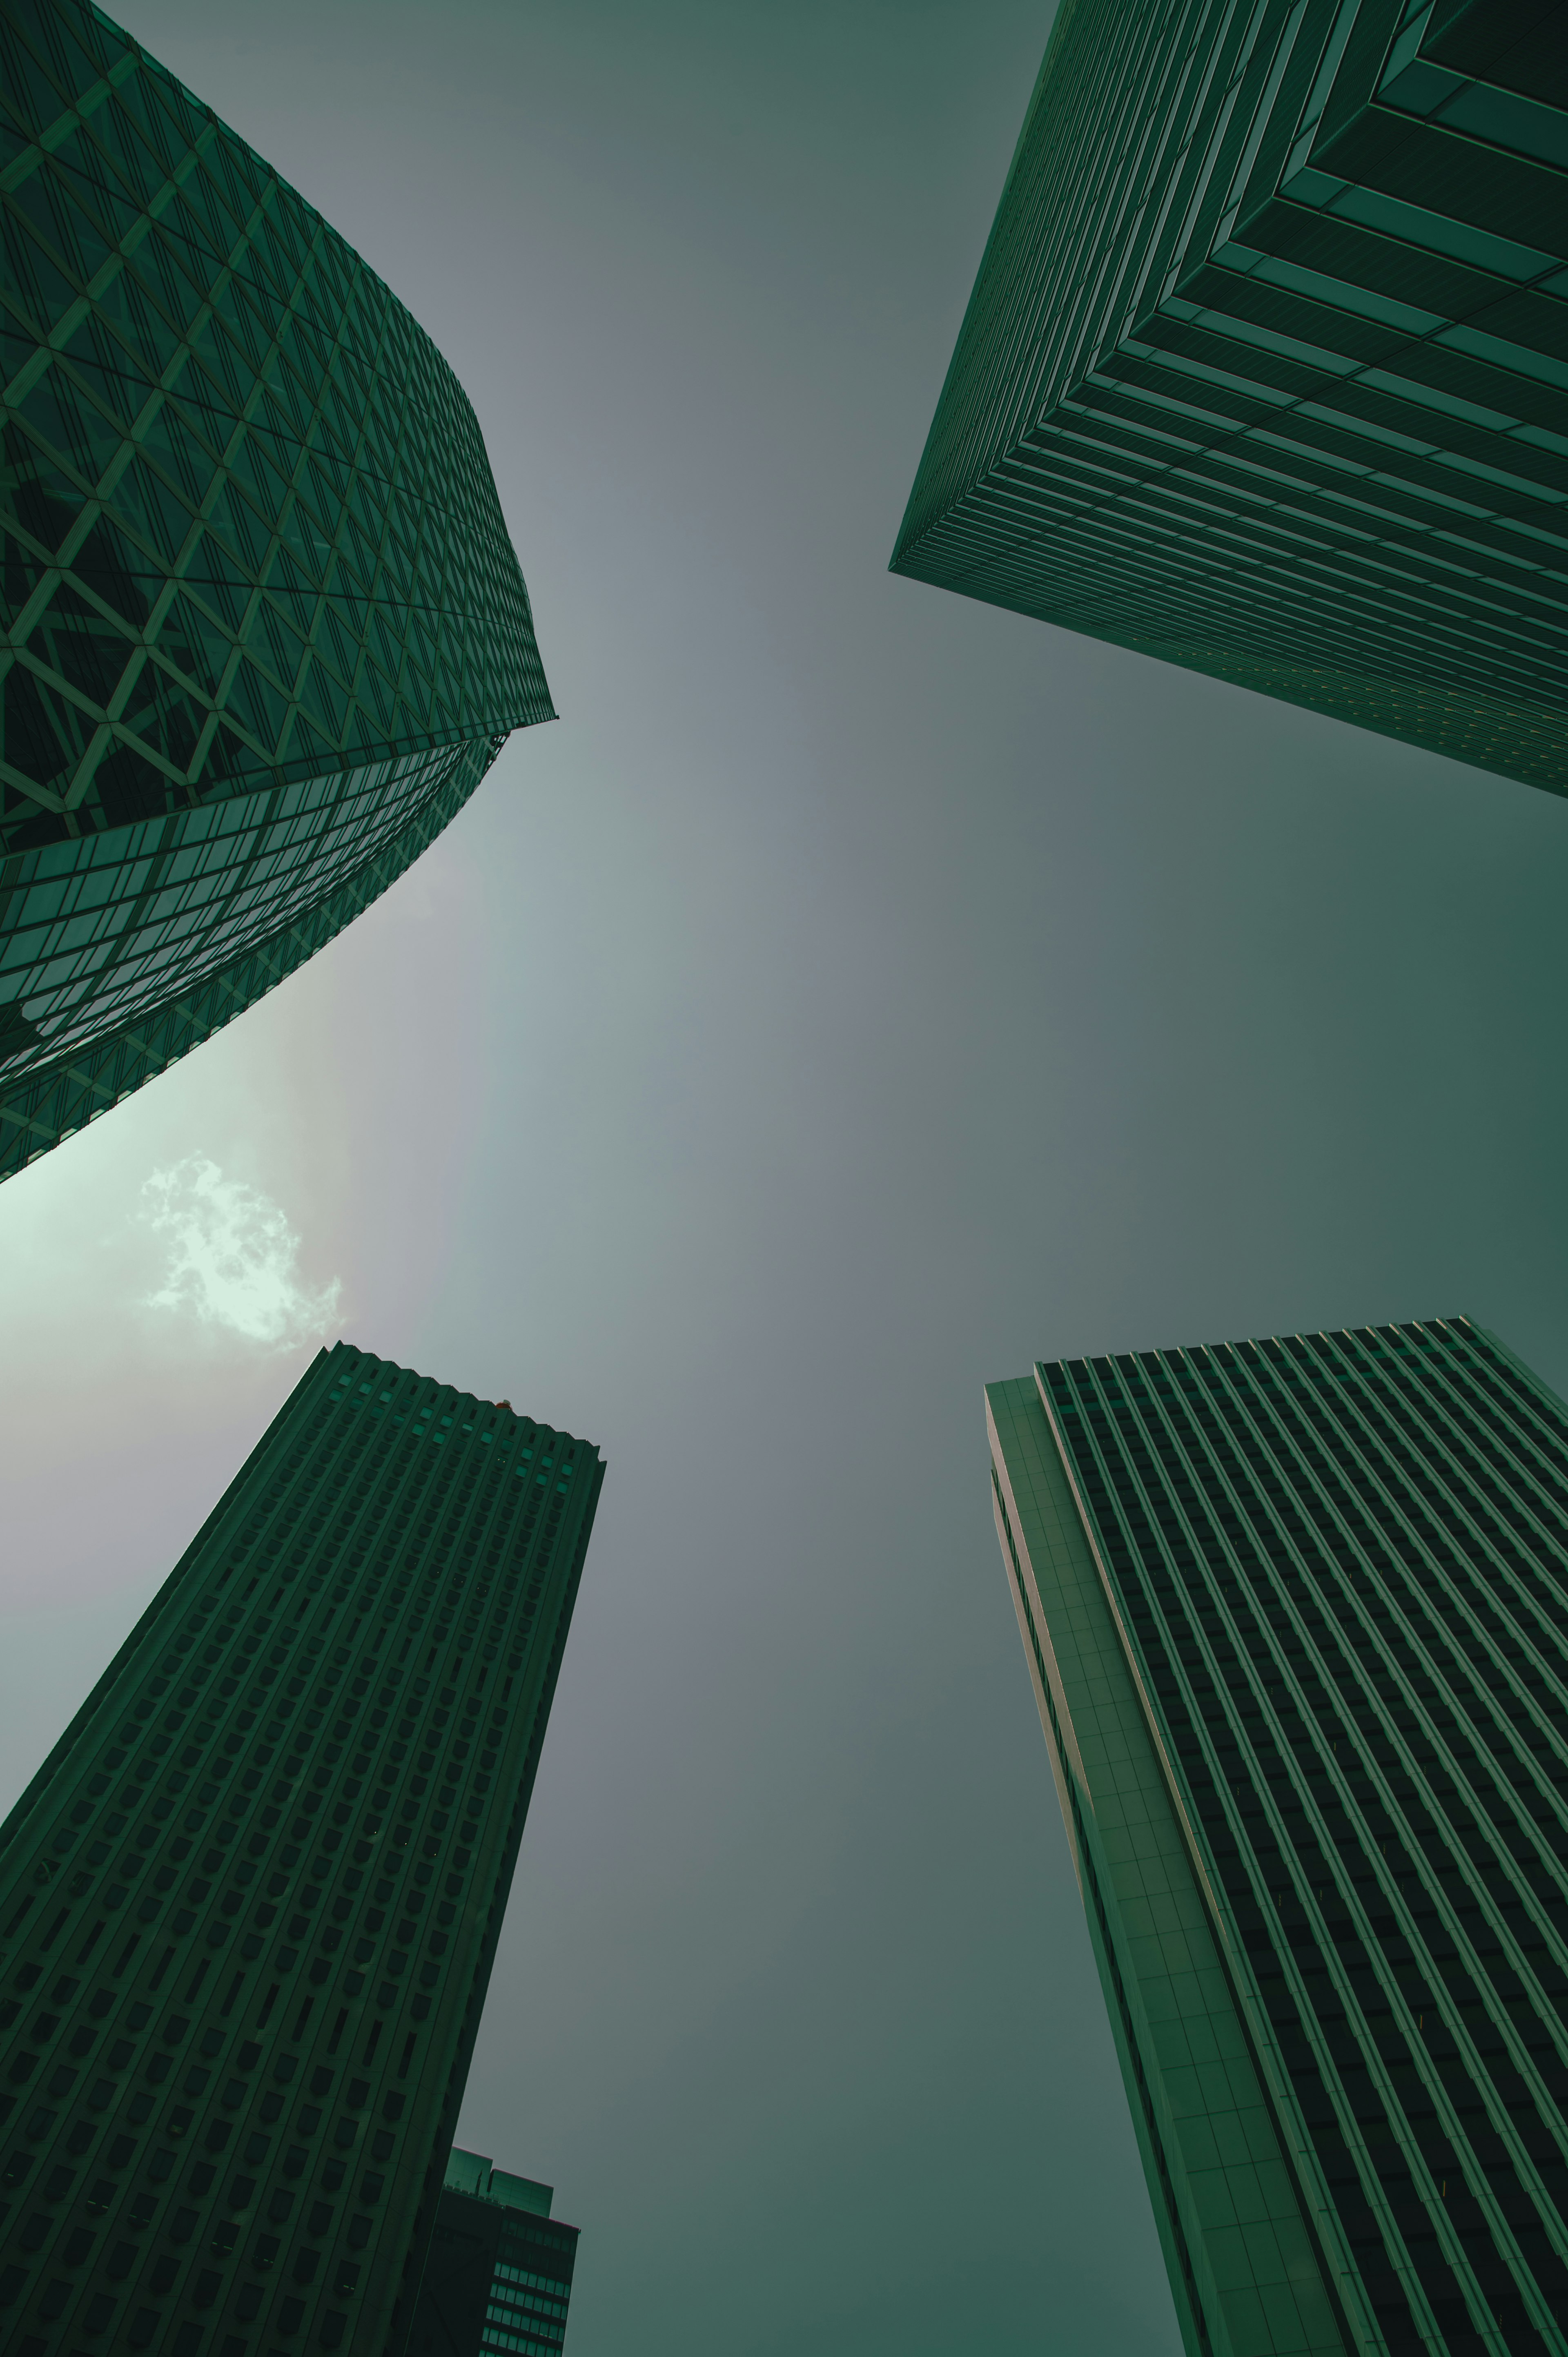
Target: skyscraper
{"x":265,"y":631}
{"x":250,"y":1903}
{"x":1263,"y":369}
{"x":499,"y":2277}
{"x":1296,"y":1614}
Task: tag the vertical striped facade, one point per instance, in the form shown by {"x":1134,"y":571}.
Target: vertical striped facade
{"x":1296,"y":1611}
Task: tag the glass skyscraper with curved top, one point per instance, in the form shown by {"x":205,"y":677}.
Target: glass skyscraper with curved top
{"x":265,"y":628}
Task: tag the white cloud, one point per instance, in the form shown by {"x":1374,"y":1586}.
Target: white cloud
{"x":232,"y":1256}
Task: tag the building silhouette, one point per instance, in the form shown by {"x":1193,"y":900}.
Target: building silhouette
{"x":1296,"y":1614}
{"x":1263,"y":370}
{"x":250,"y":1903}
{"x":265,"y":628}
{"x":499,"y":2275}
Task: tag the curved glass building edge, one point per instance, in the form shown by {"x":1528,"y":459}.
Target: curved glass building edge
{"x":250,"y":524}
{"x":264,"y":629}
{"x":135,"y":945}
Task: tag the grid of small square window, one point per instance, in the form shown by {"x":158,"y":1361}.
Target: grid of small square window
{"x":233,"y":896}
{"x":531,"y":2288}
{"x":247,"y":1909}
{"x":98,"y":933}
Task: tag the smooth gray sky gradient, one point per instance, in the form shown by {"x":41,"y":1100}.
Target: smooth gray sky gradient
{"x":859,"y":993}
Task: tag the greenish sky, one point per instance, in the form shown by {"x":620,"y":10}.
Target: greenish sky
{"x":858,"y":994}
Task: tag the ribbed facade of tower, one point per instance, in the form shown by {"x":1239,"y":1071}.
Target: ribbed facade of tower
{"x":1263,"y":370}
{"x":1296,"y":1612}
{"x":250,"y":1903}
{"x":264,"y":630}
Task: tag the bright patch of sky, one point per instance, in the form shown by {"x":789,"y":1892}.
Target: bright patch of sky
{"x":232,"y":1259}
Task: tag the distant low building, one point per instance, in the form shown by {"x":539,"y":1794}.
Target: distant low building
{"x":500,"y":2271}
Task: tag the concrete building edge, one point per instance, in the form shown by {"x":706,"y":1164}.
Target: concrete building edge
{"x":169,"y":1594}
{"x":404,"y":2312}
{"x":1181,"y":2249}
{"x":1358,"y":2330}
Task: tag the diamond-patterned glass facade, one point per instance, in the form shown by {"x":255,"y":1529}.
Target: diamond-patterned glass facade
{"x":250,"y":1903}
{"x":1264,"y":369}
{"x":1296,"y":1612}
{"x":265,"y":628}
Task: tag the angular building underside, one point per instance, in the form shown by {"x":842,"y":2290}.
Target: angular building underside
{"x":265,"y":628}
{"x":1264,"y":370}
{"x":1296,"y":1615}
